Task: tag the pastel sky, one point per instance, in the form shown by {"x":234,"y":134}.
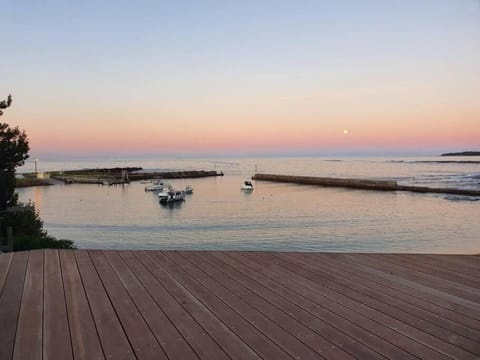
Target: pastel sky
{"x":227,"y":77}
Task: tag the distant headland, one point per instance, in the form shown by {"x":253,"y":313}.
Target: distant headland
{"x":463,"y":153}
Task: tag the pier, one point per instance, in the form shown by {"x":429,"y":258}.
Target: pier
{"x":107,"y":177}
{"x":362,"y":184}
{"x":81,"y":304}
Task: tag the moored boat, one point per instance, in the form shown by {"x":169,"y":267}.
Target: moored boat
{"x":247,"y":185}
{"x":163,"y":194}
{"x":157,"y":185}
{"x":172,"y":197}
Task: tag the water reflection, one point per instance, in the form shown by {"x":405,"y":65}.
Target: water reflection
{"x":37,"y":197}
{"x":172,"y":205}
{"x":274,"y":216}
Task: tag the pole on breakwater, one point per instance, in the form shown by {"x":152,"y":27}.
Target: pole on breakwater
{"x":361,"y":184}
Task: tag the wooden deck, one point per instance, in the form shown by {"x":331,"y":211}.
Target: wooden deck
{"x":233,"y":305}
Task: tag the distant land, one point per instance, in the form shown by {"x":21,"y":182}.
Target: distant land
{"x":463,"y":153}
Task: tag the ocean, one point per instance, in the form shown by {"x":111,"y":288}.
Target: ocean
{"x":275,"y":216}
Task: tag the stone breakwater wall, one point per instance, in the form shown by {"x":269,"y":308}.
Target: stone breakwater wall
{"x":174,"y":174}
{"x":115,"y":178}
{"x":362,"y":184}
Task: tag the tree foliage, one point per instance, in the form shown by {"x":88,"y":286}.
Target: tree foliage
{"x":5,"y":104}
{"x":29,"y":232}
{"x":14,"y":147}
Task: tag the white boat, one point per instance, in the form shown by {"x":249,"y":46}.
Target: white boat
{"x":172,"y":197}
{"x":157,"y":185}
{"x":188,"y":189}
{"x":164,"y":193}
{"x":247,"y":185}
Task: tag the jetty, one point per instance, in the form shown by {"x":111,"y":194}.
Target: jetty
{"x":94,"y":304}
{"x":190,"y":174}
{"x":362,"y":184}
{"x":118,"y":176}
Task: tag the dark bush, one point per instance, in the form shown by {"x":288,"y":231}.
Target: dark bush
{"x":28,"y":232}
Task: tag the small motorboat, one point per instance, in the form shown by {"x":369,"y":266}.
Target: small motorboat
{"x":164,"y":193}
{"x":157,"y":185}
{"x":247,"y":185}
{"x":188,"y":189}
{"x":172,"y":197}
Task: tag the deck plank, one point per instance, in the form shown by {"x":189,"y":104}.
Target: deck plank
{"x":56,"y":332}
{"x":293,"y":318}
{"x":333,"y":325}
{"x":343,"y":305}
{"x":346,"y":321}
{"x":30,"y":320}
{"x":84,"y":336}
{"x":289,"y":340}
{"x":144,"y":343}
{"x":408,"y":307}
{"x":5,"y":261}
{"x":388,"y":314}
{"x":191,"y":320}
{"x":414,"y":271}
{"x":10,"y":300}
{"x":381,"y":313}
{"x":471,"y":262}
{"x":261,"y":344}
{"x":449,"y":301}
{"x":458,"y":273}
{"x":166,"y":334}
{"x":96,"y":304}
{"x":110,"y":331}
{"x":404,"y":291}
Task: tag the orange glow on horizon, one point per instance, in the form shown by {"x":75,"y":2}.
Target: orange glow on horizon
{"x":254,"y":129}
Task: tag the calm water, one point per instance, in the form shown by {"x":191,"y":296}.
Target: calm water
{"x":275,"y":216}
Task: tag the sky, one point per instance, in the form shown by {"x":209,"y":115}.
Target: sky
{"x":242,"y":77}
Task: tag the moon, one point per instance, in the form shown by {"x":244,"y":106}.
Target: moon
{"x":345,"y":131}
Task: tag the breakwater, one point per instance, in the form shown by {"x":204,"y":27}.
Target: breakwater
{"x":21,"y":183}
{"x":106,"y":177}
{"x":362,"y":184}
{"x":174,"y":174}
